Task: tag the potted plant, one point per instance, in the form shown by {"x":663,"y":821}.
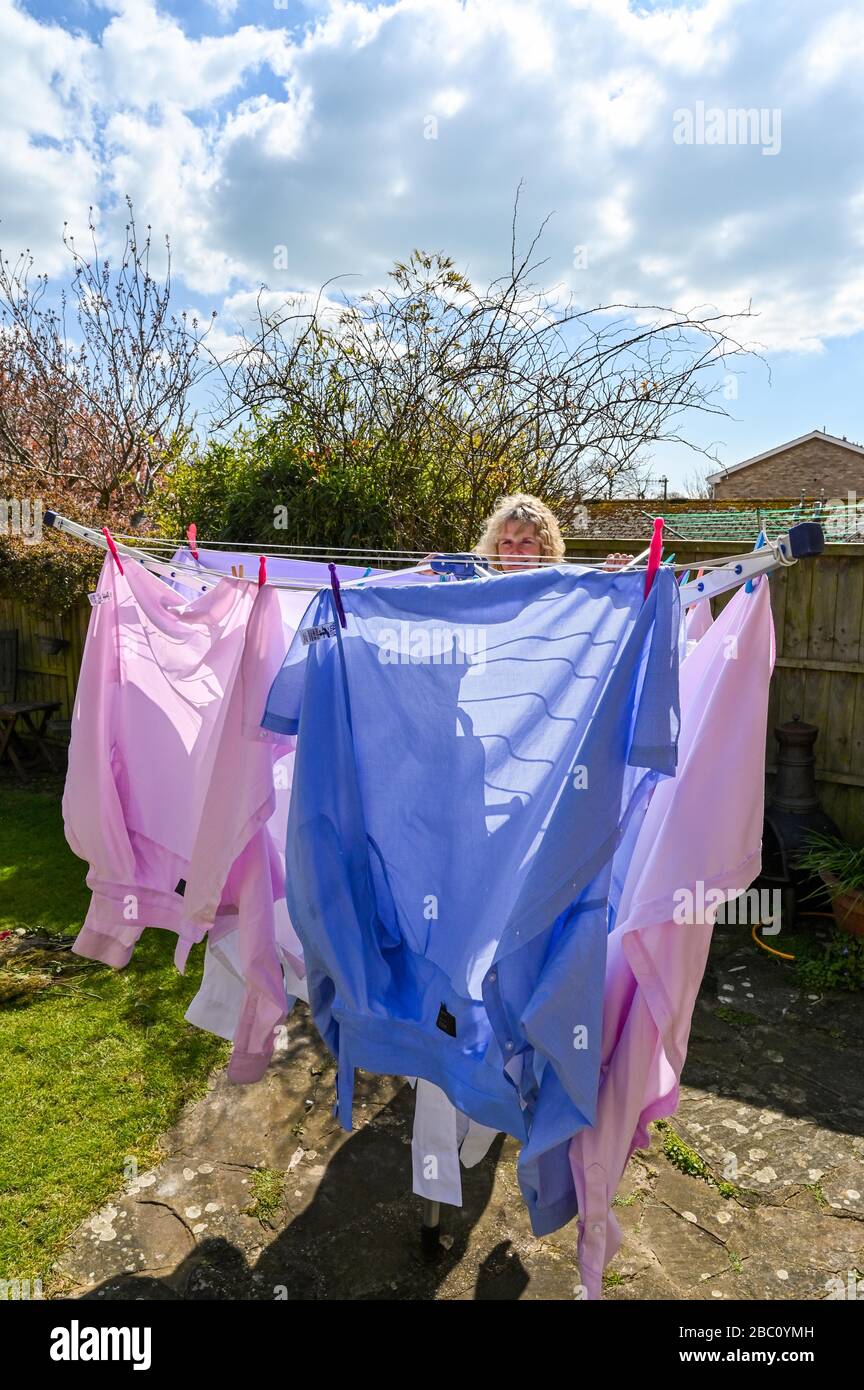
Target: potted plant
{"x":841,"y":868}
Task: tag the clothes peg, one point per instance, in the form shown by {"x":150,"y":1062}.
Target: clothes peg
{"x":192,"y":538}
{"x":337,"y":597}
{"x":112,"y":547}
{"x":655,"y":550}
{"x":237,"y":571}
{"x":262,"y":571}
{"x":761,"y":542}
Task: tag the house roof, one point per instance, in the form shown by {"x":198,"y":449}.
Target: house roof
{"x":781,"y":448}
{"x":738,"y":522}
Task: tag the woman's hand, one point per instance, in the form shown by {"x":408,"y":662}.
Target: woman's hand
{"x":617,"y":560}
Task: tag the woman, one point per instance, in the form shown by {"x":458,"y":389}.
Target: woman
{"x":522,"y":532}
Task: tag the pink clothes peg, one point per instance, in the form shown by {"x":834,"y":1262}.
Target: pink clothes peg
{"x":655,"y":552}
{"x":192,"y":538}
{"x":112,"y":547}
{"x":262,"y":571}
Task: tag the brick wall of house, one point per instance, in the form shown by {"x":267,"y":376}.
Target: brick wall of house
{"x":812,"y":467}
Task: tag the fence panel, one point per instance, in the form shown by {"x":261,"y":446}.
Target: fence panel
{"x":818,"y":608}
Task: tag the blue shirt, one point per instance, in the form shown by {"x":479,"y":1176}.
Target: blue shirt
{"x":468,"y":757}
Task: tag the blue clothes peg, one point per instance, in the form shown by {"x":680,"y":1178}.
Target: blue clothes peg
{"x":455,"y":566}
{"x":761,"y":542}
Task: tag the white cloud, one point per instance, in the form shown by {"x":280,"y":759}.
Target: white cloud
{"x":145,"y":59}
{"x":48,"y":164}
{"x":224,"y":8}
{"x":253,"y":138}
{"x":835,"y":48}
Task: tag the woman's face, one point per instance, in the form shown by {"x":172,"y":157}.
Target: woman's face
{"x":518,"y":545}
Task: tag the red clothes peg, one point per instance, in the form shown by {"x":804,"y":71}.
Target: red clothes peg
{"x":192,"y":538}
{"x":655,"y":551}
{"x":262,"y":571}
{"x":112,"y":547}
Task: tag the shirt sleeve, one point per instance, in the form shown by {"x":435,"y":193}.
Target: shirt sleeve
{"x":657,"y":717}
{"x":284,"y":703}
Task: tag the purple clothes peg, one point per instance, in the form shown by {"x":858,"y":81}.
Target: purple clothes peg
{"x":337,"y":597}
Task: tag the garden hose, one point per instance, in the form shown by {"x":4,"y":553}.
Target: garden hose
{"x":784,"y":955}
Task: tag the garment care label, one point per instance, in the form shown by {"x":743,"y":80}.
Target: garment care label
{"x":314,"y":634}
{"x":446,"y":1021}
{"x":100,"y":596}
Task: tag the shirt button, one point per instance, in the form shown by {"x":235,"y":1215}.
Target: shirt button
{"x":492,"y":977}
{"x":596,"y":1230}
{"x":509,"y":1046}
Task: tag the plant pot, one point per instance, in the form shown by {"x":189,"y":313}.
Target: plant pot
{"x":848,"y":906}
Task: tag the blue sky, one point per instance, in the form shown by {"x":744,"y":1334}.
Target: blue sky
{"x":240,"y":127}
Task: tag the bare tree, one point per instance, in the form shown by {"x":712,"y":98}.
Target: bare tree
{"x":508,"y":387}
{"x":696,"y":484}
{"x":95,"y":383}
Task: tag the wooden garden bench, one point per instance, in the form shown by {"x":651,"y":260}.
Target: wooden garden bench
{"x":33,"y":714}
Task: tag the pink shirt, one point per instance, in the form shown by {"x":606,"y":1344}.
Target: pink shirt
{"x":148,"y":710}
{"x":242,"y":832}
{"x":704,"y":826}
{"x":171,"y":782}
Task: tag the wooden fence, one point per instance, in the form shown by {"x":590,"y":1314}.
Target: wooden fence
{"x":43,"y":675}
{"x":818,"y":610}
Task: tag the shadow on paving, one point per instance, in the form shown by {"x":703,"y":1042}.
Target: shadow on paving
{"x":754,"y":1189}
{"x":357,"y":1239}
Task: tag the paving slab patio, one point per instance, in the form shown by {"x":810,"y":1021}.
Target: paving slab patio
{"x":755,"y":1189}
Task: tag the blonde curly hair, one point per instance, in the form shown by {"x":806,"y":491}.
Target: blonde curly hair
{"x":525,"y":509}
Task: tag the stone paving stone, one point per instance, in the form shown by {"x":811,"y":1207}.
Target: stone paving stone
{"x":772,"y":1104}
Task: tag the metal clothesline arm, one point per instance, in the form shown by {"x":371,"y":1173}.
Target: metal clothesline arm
{"x":803,"y":540}
{"x":204,"y":578}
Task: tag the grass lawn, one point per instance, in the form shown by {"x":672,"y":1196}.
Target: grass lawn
{"x":94,"y":1063}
